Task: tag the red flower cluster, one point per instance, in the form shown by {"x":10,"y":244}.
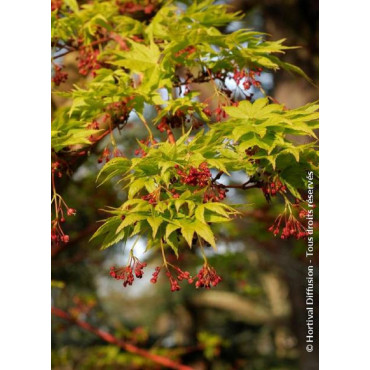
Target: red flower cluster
{"x":174,"y":284}
{"x":56,"y":168}
{"x":292,"y":227}
{"x":215,"y":194}
{"x":176,"y":120}
{"x":151,"y":197}
{"x":207,"y":277}
{"x":141,"y":152}
{"x":195,"y":177}
{"x":181,"y":275}
{"x":207,"y":112}
{"x":119,"y":111}
{"x":249,"y":78}
{"x":60,"y":207}
{"x":163,"y":126}
{"x":251,"y":151}
{"x":126,"y":273}
{"x":94,"y":125}
{"x":59,"y":76}
{"x":132,"y":7}
{"x":155,"y":275}
{"x":273,"y":188}
{"x":220,"y":113}
{"x":88,"y":61}
{"x":71,"y":212}
{"x":303,"y":213}
{"x":107,"y":154}
{"x":174,"y":193}
{"x":57,"y":234}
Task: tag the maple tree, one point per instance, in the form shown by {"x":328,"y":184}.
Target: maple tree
{"x":143,"y":63}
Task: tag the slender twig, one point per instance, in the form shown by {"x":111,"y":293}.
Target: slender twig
{"x":242,"y":186}
{"x":217,"y":177}
{"x":62,"y":54}
{"x":143,"y":120}
{"x":164,"y":361}
{"x":112,"y":36}
{"x":249,"y":184}
{"x":71,"y":49}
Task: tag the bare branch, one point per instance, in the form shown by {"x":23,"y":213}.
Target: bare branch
{"x":120,"y":343}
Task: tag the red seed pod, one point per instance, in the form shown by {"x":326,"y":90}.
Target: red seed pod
{"x":207,"y":277}
{"x":71,"y":211}
{"x":128,"y":273}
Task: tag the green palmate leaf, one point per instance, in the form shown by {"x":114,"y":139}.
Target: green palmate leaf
{"x":219,"y":164}
{"x":179,"y":203}
{"x":205,"y":232}
{"x":211,"y":217}
{"x":173,"y":242}
{"x":115,"y":167}
{"x":60,"y":139}
{"x":161,"y":207}
{"x":141,"y":227}
{"x":150,"y":185}
{"x":191,"y":206}
{"x":199,"y":213}
{"x":136,"y":186}
{"x":165,"y":166}
{"x":187,"y":231}
{"x":139,"y":58}
{"x":271,"y":159}
{"x":291,"y":68}
{"x":130,"y":219}
{"x":170,"y":228}
{"x":220,"y":208}
{"x":110,"y":241}
{"x":106,"y":235}
{"x":146,"y":65}
{"x":249,"y":140}
{"x":154,"y":223}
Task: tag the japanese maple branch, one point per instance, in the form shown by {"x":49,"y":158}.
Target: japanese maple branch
{"x":72,"y":48}
{"x":82,"y":150}
{"x":244,"y":186}
{"x":218,"y":176}
{"x":250,"y":184}
{"x":164,"y":361}
{"x":112,"y":36}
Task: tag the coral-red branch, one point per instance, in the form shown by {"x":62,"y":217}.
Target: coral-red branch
{"x":125,"y":346}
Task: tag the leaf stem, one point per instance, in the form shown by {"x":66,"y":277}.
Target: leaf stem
{"x":163,"y":255}
{"x":142,"y":118}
